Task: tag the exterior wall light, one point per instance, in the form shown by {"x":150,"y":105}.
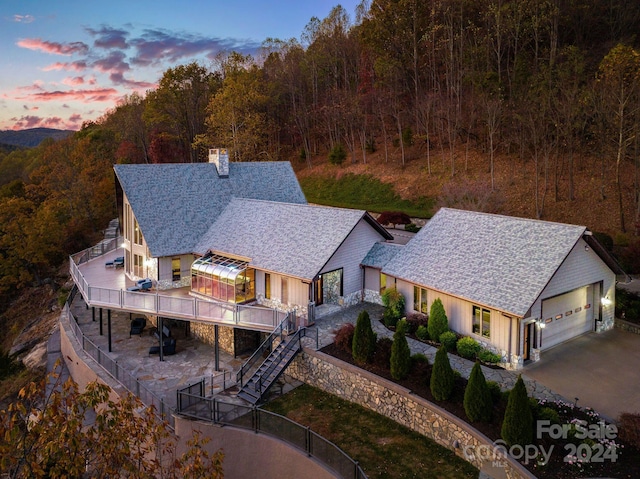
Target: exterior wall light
{"x":123,"y":245}
{"x":606,"y":301}
{"x":541,"y":324}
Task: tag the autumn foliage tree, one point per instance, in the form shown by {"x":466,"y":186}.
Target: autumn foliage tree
{"x":49,"y":432}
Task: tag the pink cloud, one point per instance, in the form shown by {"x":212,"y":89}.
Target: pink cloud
{"x":77,"y":66}
{"x":90,"y":95}
{"x":31,"y":121}
{"x":54,"y":48}
{"x":73,"y":81}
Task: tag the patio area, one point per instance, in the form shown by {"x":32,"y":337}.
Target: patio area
{"x":192,"y":361}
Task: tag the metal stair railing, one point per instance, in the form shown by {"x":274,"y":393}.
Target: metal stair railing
{"x":266,"y":345}
{"x":277,"y":363}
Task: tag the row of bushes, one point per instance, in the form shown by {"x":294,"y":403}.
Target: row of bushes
{"x":433,"y":327}
{"x":479,"y":395}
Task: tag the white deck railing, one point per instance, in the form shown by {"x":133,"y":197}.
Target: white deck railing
{"x":195,"y":309}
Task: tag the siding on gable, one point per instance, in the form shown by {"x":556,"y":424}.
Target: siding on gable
{"x":580,"y":268}
{"x":350,"y":254}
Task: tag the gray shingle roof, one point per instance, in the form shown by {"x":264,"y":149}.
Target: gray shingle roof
{"x":380,"y":254}
{"x":175,"y":204}
{"x":498,"y":261}
{"x":291,"y":239}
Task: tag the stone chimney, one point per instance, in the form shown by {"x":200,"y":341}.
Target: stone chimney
{"x":220,"y":157}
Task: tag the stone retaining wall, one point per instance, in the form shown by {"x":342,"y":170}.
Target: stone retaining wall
{"x":395,"y":402}
{"x":627,"y":326}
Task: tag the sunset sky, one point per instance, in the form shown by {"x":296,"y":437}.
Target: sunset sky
{"x":63,"y":62}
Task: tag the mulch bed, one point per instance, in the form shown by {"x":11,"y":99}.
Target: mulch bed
{"x":627,"y":464}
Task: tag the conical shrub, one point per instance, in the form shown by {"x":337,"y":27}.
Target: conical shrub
{"x":438,"y":322}
{"x":478,"y":403}
{"x":364,"y":339}
{"x":400,"y":352}
{"x":517,"y":426}
{"x":442,"y":376}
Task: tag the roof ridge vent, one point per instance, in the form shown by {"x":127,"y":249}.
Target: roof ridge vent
{"x":220,"y":158}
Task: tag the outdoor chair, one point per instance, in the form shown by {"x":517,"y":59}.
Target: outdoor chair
{"x":168,"y":347}
{"x":141,"y":285}
{"x":137,"y":326}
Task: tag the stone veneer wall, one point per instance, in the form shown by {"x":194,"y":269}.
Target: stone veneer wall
{"x":627,"y":326}
{"x":395,"y":402}
{"x":206,"y":334}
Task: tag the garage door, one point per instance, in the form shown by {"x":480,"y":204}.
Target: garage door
{"x":567,"y":316}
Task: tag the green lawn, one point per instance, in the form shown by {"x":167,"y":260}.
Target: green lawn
{"x":362,"y":192}
{"x":383,"y":448}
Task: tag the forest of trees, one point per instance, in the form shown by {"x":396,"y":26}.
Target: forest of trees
{"x":546,"y":81}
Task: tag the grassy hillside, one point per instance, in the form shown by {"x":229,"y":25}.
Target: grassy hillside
{"x":364,"y":184}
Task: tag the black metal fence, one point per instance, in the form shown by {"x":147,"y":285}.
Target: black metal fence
{"x":266,"y":422}
{"x":116,"y":371}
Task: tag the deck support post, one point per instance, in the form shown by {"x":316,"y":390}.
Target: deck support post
{"x":101,"y":322}
{"x":93,"y":314}
{"x":160,"y":329}
{"x":216,"y":347}
{"x":109,"y":327}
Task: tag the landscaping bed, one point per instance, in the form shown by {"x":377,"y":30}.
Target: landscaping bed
{"x":608,"y":455}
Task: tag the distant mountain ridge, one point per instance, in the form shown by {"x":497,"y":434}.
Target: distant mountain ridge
{"x":32,"y":137}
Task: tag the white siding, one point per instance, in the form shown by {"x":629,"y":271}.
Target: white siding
{"x":460,"y":316}
{"x":350,"y":254}
{"x":581,"y":268}
{"x":297,"y":291}
{"x":372,"y":279}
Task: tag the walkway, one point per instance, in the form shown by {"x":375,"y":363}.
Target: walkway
{"x":327,"y":325}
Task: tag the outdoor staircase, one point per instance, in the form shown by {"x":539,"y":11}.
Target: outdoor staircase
{"x":271,"y":369}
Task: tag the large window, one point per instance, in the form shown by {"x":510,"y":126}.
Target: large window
{"x":383,"y":282}
{"x":284,"y":292}
{"x":137,"y":234}
{"x":138,"y":265}
{"x":420,"y":302}
{"x":482,"y":321}
{"x":222,"y":278}
{"x":175,"y":269}
{"x":267,"y":286}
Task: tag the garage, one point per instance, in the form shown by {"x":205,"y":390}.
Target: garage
{"x":568,"y":315}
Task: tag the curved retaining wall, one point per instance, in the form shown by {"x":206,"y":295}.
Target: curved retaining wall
{"x":247,"y":454}
{"x":395,"y":402}
{"x":627,"y":326}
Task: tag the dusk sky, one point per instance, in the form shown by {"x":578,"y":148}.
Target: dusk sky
{"x":63,"y":62}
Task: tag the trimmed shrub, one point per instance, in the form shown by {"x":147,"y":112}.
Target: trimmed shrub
{"x":468,"y":347}
{"x":449,"y":339}
{"x":419,"y":365}
{"x":495,"y":390}
{"x":422,"y":333}
{"x":487,"y":356}
{"x":478,"y":404}
{"x":517,"y":426}
{"x":419,"y":358}
{"x":442,"y":376}
{"x":337,"y":155}
{"x":393,"y":301}
{"x":344,"y":337}
{"x":412,"y":228}
{"x":400,"y":353}
{"x":415,"y":320}
{"x":548,"y":414}
{"x":364,"y":339}
{"x":382,"y":355}
{"x":438,"y":322}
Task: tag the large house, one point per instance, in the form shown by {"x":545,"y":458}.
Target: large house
{"x":240,"y":233}
{"x":518,"y":286}
{"x":243,"y":233}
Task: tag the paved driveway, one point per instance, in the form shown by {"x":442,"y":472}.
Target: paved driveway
{"x":602,"y":370}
